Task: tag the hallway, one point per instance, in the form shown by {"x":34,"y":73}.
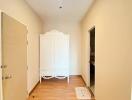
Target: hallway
{"x":57,"y":89}
{"x":51,"y":38}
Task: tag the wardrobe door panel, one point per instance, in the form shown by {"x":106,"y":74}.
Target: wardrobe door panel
{"x":61,"y":53}
{"x":46,"y":53}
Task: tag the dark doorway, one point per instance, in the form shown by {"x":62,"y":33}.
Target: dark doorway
{"x":92,"y":59}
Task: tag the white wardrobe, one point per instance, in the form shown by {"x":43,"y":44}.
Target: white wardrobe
{"x":54,"y":55}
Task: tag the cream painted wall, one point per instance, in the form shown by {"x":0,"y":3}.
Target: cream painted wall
{"x":73,"y":29}
{"x":22,"y":12}
{"x":113,"y":22}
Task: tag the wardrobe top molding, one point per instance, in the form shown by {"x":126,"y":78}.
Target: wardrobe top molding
{"x":54,"y":33}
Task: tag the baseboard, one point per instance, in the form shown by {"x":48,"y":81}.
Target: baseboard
{"x":92,"y":94}
{"x":33,"y":88}
{"x":75,"y":75}
{"x":83,"y":80}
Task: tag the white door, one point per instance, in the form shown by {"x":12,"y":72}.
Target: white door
{"x":14,"y":59}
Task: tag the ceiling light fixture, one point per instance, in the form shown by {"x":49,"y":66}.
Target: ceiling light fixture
{"x":60,"y":12}
{"x":60,"y":4}
{"x":60,"y":7}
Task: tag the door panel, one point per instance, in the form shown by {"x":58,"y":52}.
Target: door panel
{"x":46,"y":49}
{"x":61,"y":52}
{"x":14,"y":59}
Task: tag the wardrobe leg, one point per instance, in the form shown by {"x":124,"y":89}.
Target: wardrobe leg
{"x":68,"y":79}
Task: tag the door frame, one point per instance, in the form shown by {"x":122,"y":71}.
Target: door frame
{"x":1,"y":90}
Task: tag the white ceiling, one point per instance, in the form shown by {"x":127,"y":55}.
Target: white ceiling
{"x":48,"y":10}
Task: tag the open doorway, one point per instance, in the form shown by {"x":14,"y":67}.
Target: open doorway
{"x":92,"y":59}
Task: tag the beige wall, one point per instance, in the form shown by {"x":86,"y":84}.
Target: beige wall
{"x":113,"y":22}
{"x":73,"y":29}
{"x":21,"y":11}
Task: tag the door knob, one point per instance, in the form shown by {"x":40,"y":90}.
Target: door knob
{"x":4,"y":66}
{"x":7,"y":77}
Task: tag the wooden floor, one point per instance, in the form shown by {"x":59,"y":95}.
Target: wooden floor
{"x":57,"y":89}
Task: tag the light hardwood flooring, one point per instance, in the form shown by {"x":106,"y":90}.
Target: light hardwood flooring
{"x":55,"y":89}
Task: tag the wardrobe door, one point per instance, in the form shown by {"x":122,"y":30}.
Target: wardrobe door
{"x":46,"y":53}
{"x":61,"y":54}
